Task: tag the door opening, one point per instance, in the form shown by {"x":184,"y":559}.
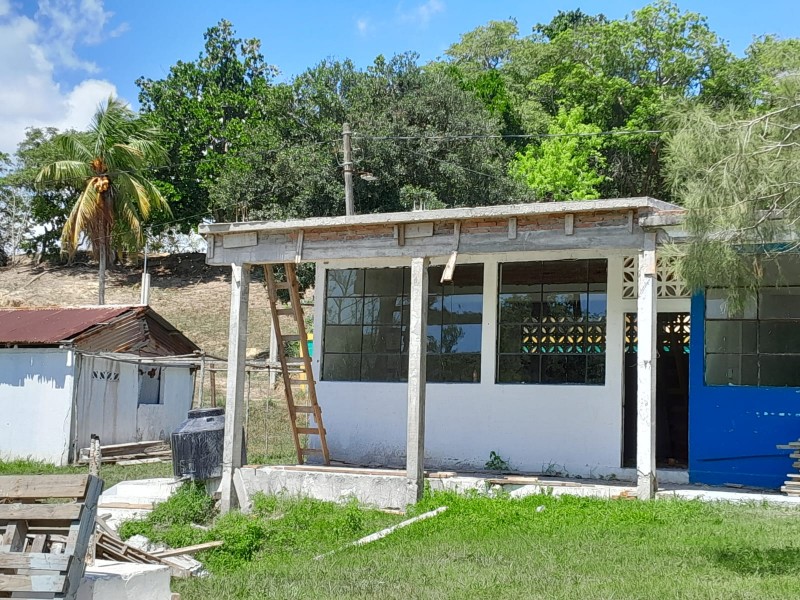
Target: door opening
{"x":672,"y":390}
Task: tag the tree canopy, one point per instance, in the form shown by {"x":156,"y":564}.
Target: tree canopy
{"x":580,"y":107}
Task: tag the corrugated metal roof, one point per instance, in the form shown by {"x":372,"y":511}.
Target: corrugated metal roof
{"x":133,"y":329}
{"x":46,"y":326}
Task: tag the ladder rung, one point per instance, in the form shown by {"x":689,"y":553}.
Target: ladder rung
{"x":309,"y":410}
{"x":311,"y":451}
{"x":309,"y":430}
{"x":295,"y":360}
{"x":285,"y":311}
{"x":282,"y":285}
{"x":298,"y":382}
{"x":291,"y":337}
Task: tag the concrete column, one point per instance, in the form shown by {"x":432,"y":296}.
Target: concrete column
{"x":417,"y":353}
{"x":234,"y":398}
{"x":646,"y":371}
{"x":489,"y":329}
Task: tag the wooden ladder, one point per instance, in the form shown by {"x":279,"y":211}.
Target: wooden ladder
{"x":313,"y":409}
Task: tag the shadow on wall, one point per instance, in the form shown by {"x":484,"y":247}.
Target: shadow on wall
{"x":22,"y":380}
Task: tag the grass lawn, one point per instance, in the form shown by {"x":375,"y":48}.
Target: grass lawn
{"x":111,"y":474}
{"x":504,"y":548}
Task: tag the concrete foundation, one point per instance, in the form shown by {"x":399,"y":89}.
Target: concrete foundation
{"x":109,"y":580}
{"x":380,"y":488}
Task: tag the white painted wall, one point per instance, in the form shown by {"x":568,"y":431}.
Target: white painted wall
{"x":36,"y":386}
{"x":158,"y":421}
{"x":568,"y":428}
{"x":110,"y":407}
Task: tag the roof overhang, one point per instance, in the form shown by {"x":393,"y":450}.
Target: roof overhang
{"x":575,"y":225}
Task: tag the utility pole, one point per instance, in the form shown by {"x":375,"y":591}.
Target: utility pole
{"x":348,"y":169}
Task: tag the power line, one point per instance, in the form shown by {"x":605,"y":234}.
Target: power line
{"x":480,"y":136}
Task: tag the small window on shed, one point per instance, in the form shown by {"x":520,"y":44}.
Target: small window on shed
{"x":149,"y":385}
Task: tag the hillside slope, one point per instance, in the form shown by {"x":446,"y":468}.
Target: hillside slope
{"x":188,"y":293}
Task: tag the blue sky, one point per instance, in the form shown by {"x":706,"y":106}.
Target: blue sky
{"x":59,"y":58}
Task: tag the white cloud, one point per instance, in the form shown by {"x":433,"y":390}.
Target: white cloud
{"x":33,"y":49}
{"x":363,"y":26}
{"x":421,"y":14}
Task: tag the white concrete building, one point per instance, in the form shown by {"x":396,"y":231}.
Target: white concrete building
{"x":121,"y":372}
{"x":529,"y":331}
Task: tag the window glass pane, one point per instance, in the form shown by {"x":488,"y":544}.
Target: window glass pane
{"x":597,"y":306}
{"x":435,"y":309}
{"x":731,"y":369}
{"x":341,"y":367}
{"x":779,"y":303}
{"x":383,"y":282}
{"x":463,"y":368}
{"x":779,"y":337}
{"x":782,"y":271}
{"x":343,"y":338}
{"x":343,"y":311}
{"x":520,"y":308}
{"x":382,"y":339}
{"x":560,"y":272}
{"x":596,"y":369}
{"x":731,"y":337}
{"x":563,"y":369}
{"x":463,"y":308}
{"x":559,"y":307}
{"x":511,"y":338}
{"x":383,"y":367}
{"x":598,"y":271}
{"x":467,"y":279}
{"x":517,"y":368}
{"x":386,"y":310}
{"x":717,"y":306}
{"x":345,"y":282}
{"x":520,"y":277}
{"x":780,"y":370}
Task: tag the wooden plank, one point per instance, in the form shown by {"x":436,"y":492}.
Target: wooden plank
{"x":240,"y":240}
{"x":40,"y":512}
{"x":32,"y":583}
{"x":189,"y":549}
{"x":306,"y":451}
{"x":309,"y":430}
{"x":418,"y":230}
{"x":32,"y":487}
{"x":309,"y":410}
{"x":15,"y":536}
{"x":34,"y":560}
{"x":80,"y":535}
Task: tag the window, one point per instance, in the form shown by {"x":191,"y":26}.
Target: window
{"x":366,"y":325}
{"x":149,"y":385}
{"x":455,"y":314}
{"x":760,"y":345}
{"x":552,"y":322}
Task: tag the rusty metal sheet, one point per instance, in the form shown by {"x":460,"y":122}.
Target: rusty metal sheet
{"x":49,"y":326}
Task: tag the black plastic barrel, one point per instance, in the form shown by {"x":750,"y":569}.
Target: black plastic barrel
{"x":197,"y":444}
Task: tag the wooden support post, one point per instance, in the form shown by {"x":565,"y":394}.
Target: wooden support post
{"x":418,"y":338}
{"x":234,"y":398}
{"x":213,"y":377}
{"x":646,"y":372}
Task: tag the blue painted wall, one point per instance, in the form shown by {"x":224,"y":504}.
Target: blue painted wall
{"x":733,"y":430}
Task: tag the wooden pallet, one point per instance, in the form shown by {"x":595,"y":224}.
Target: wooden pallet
{"x":304,"y":362}
{"x":44,"y":545}
{"x":791,"y":487}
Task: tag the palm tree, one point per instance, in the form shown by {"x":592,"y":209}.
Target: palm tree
{"x":108,"y":162}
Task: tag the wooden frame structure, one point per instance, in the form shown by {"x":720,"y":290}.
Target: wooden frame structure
{"x":412,"y":239}
{"x":43,"y":548}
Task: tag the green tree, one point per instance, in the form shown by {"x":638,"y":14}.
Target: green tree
{"x":564,"y":166}
{"x":109,"y":163}
{"x":209,"y":110}
{"x":736,"y":174}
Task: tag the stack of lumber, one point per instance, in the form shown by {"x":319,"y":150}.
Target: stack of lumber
{"x":110,"y":546}
{"x":132,"y":453}
{"x":791,"y":487}
{"x":44,"y":544}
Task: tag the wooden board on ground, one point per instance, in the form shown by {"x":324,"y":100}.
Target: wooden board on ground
{"x":44,"y":545}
